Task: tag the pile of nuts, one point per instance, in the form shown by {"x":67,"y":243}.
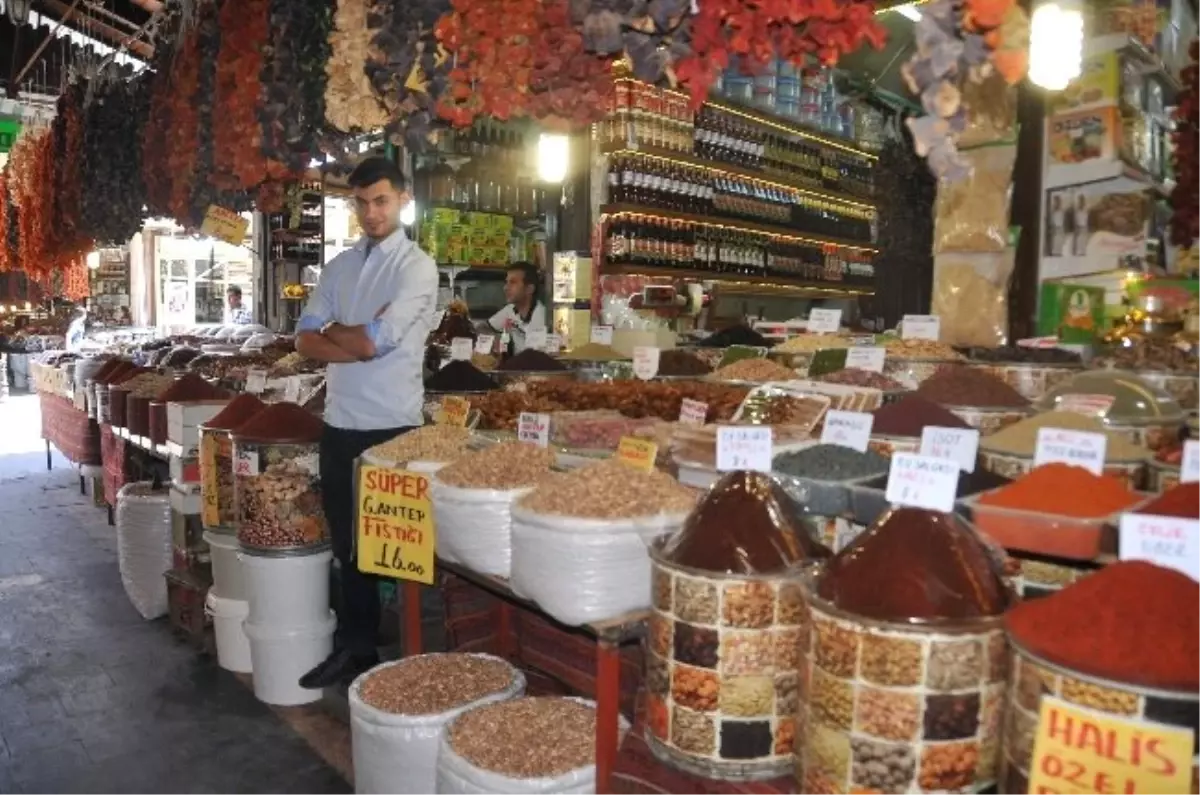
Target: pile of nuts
{"x":506,"y":466}
{"x":610,"y":490}
{"x":438,"y":443}
{"x":433,"y":683}
{"x":281,"y":507}
{"x":758,"y":370}
{"x":527,"y":737}
{"x":147,"y":385}
{"x":920,"y":349}
{"x":810,"y":343}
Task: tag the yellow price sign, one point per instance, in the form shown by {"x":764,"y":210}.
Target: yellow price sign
{"x":395,"y":524}
{"x":224,"y":225}
{"x":210,"y":484}
{"x":1079,"y":750}
{"x":454,"y":411}
{"x":637,"y":453}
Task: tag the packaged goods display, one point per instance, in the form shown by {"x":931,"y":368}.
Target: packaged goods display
{"x":434,"y":443}
{"x":593,"y":352}
{"x":460,"y":376}
{"x":905,"y":662}
{"x":830,"y":462}
{"x":735,"y":335}
{"x":958,"y":385}
{"x":755,"y":370}
{"x":509,"y":465}
{"x":1123,"y":402}
{"x":852,"y":376}
{"x":677,"y":362}
{"x":970,"y":296}
{"x":728,"y":622}
{"x":972,"y":214}
{"x":910,"y":415}
{"x":532,"y":361}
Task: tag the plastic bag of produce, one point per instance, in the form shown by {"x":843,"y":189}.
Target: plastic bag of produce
{"x":396,"y":753}
{"x":457,"y":775}
{"x":970,"y":295}
{"x":474,"y":526}
{"x":585,"y":570}
{"x":144,"y":546}
{"x":972,"y":214}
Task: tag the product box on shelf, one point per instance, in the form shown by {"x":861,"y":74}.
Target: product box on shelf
{"x":184,"y":420}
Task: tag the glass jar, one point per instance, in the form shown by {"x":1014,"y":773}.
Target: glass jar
{"x":277,"y":496}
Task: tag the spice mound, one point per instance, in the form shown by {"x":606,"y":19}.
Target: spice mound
{"x":1131,"y":622}
{"x":282,"y":422}
{"x":437,"y":443}
{"x":594,"y":352}
{"x":916,"y":564}
{"x":745,"y":524}
{"x":831,"y":462}
{"x":510,"y":465}
{"x":680,"y":362}
{"x":610,"y":490}
{"x":460,"y":376}
{"x":190,"y":387}
{"x":911,"y":415}
{"x":1020,"y":438}
{"x":1063,"y":490}
{"x":527,"y":737}
{"x":1183,"y":501}
{"x":853,"y":376}
{"x":959,"y":385}
{"x":236,"y":412}
{"x":810,"y":343}
{"x":531,"y":361}
{"x":1017,"y":354}
{"x":920,"y":349}
{"x":755,"y":370}
{"x":735,"y":335}
{"x":146,"y":385}
{"x":434,"y":683}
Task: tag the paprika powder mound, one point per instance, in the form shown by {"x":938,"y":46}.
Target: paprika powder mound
{"x":1131,"y":622}
{"x":1182,"y":501}
{"x":910,"y":415}
{"x":1063,"y":490}
{"x":235,"y":413}
{"x":190,"y":387}
{"x":285,"y":423}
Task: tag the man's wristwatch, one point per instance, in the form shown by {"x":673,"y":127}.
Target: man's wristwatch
{"x":327,"y":326}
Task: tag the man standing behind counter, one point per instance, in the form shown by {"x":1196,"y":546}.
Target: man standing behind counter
{"x":368,"y":319}
{"x":524,"y":311}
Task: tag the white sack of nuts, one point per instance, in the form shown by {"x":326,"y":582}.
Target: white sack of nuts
{"x":398,"y":711}
{"x":579,"y":540}
{"x":521,"y":746}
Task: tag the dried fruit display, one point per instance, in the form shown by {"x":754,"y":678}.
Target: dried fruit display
{"x":182,"y":140}
{"x":1185,"y":198}
{"x":292,"y":99}
{"x":30,"y":167}
{"x":111,"y":205}
{"x":653,"y":36}
{"x":406,"y":68}
{"x":350,"y":104}
{"x":64,"y":238}
{"x":237,"y":139}
{"x":155,"y":133}
{"x":7,"y":213}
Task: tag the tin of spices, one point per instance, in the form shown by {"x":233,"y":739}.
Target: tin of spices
{"x":282,"y":422}
{"x":531,"y":361}
{"x":236,"y":412}
{"x":460,"y":376}
{"x":1063,"y":490}
{"x":1131,"y":622}
{"x":745,"y":524}
{"x":916,"y":564}
{"x":910,"y":415}
{"x":958,"y":385}
{"x":1020,"y":438}
{"x":1182,"y":501}
{"x":831,"y":462}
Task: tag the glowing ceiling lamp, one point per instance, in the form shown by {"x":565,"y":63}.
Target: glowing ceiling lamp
{"x":552,"y":153}
{"x":1056,"y":44}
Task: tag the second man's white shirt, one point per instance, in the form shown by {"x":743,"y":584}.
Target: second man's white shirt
{"x":508,"y":320}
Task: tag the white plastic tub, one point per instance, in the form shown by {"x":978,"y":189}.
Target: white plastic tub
{"x":281,"y":656}
{"x":228,"y":575}
{"x":233,"y":647}
{"x":287,"y":592}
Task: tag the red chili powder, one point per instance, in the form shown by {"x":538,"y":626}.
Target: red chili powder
{"x":190,"y":387}
{"x":1182,"y":501}
{"x":236,"y":413}
{"x":910,"y":416}
{"x":1063,"y":490}
{"x":132,"y":372}
{"x":1131,"y":622}
{"x":106,"y":369}
{"x":282,"y":422}
{"x":115,"y":374}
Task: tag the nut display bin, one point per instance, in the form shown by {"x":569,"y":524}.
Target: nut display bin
{"x":1031,"y":678}
{"x":988,"y":420}
{"x":1031,"y":380}
{"x":277,"y":496}
{"x":898,"y":707}
{"x":1132,"y":473}
{"x":799,"y":362}
{"x":217,"y":508}
{"x":722,"y":670}
{"x":510,"y":379}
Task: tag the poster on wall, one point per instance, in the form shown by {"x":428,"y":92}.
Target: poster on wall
{"x":1094,"y":228}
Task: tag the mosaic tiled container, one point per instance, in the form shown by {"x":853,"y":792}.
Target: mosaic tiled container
{"x":1031,"y":380}
{"x":899,"y":707}
{"x":277,"y":497}
{"x":1031,"y":678}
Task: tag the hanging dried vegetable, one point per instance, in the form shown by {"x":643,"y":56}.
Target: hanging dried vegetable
{"x":30,"y":159}
{"x":350,"y":103}
{"x":569,"y":87}
{"x":1185,"y":198}
{"x":904,"y":197}
{"x":11,"y":231}
{"x":406,"y":69}
{"x":292,"y":102}
{"x":156,"y":132}
{"x":65,"y":238}
{"x":653,"y":36}
{"x":5,"y":263}
{"x":204,"y":190}
{"x":237,"y":136}
{"x":184,"y":136}
{"x":111,"y":207}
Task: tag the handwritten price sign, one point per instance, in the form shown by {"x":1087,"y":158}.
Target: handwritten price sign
{"x":824,"y":321}
{"x":484,"y":343}
{"x":956,"y":444}
{"x":920,"y":327}
{"x":245,"y":463}
{"x":848,"y":428}
{"x":918,"y":481}
{"x":1189,"y":466}
{"x":637,"y":453}
{"x":866,"y":358}
{"x":534,"y":428}
{"x":395,"y":524}
{"x":535,"y":338}
{"x":1169,"y":541}
{"x":692,"y":412}
{"x":744,"y":448}
{"x":645,"y":362}
{"x":1078,"y":448}
{"x":602,"y":335}
{"x":461,"y":349}
{"x":454,"y":411}
{"x":224,"y":225}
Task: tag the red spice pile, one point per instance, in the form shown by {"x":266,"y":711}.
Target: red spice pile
{"x":1182,"y":501}
{"x":910,"y":416}
{"x":236,"y":413}
{"x":114,"y":374}
{"x":282,"y":422}
{"x":126,"y":375}
{"x":106,"y":369}
{"x":190,"y":387}
{"x":1131,"y":622}
{"x":959,"y":385}
{"x":1063,"y":490}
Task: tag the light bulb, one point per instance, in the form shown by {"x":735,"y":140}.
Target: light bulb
{"x":552,"y":153}
{"x":93,"y":260}
{"x":408,"y":213}
{"x":1055,"y":45}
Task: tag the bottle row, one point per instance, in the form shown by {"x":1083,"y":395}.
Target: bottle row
{"x":676,"y":244}
{"x":662,"y":184}
{"x":493,"y":176}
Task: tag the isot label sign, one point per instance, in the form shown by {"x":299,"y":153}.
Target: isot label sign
{"x":956,"y":444}
{"x":395,"y":524}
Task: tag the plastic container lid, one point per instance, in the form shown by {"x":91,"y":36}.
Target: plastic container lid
{"x":1134,"y":400}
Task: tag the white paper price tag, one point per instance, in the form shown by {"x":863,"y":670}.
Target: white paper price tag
{"x":602,"y":335}
{"x":645,"y":362}
{"x":256,"y":381}
{"x":867,"y":357}
{"x":534,"y":428}
{"x":692,"y":412}
{"x":918,"y":481}
{"x":955,"y":444}
{"x":744,"y":447}
{"x":1168,"y":541}
{"x":920,"y":327}
{"x":535,"y":338}
{"x":1189,"y":466}
{"x":1078,"y":448}
{"x":291,"y":390}
{"x":553,"y":344}
{"x":245,"y":463}
{"x":824,"y":321}
{"x":461,"y":349}
{"x":848,"y":428}
{"x":484,"y":343}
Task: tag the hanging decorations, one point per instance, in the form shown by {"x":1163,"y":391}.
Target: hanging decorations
{"x":292,"y":102}
{"x":111,"y":204}
{"x":205,"y":190}
{"x":1185,"y":198}
{"x":350,"y":103}
{"x":653,"y":37}
{"x":569,"y":87}
{"x":65,"y":239}
{"x":183,"y":137}
{"x":30,"y":161}
{"x":6,"y":259}
{"x":237,"y":134}
{"x":956,"y":44}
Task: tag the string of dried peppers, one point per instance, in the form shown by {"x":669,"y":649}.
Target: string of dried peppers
{"x":237,"y":139}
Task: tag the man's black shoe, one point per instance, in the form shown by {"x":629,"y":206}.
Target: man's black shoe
{"x":338,"y":668}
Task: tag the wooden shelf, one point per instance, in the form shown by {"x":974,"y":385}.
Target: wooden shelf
{"x":727,"y":223}
{"x":740,"y":171}
{"x":738,"y":280}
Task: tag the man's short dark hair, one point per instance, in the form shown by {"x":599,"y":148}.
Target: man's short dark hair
{"x":529,"y":272}
{"x":233,"y":289}
{"x":374,"y":169}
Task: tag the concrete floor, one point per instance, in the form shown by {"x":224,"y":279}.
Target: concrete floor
{"x":92,"y":697}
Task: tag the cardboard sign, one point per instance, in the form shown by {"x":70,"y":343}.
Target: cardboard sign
{"x":824,"y":321}
{"x":848,"y":428}
{"x":461,"y":349}
{"x":224,"y":225}
{"x":918,"y":481}
{"x":535,"y":338}
{"x":1189,"y":465}
{"x":645,"y":362}
{"x":744,"y":447}
{"x":920,"y":327}
{"x":866,"y":358}
{"x":602,"y":335}
{"x":637,"y":453}
{"x":1088,"y":405}
{"x":256,"y":381}
{"x":395,"y":524}
{"x":956,"y":444}
{"x":454,"y":411}
{"x":484,"y":343}
{"x":1169,"y":541}
{"x":692,"y":412}
{"x":534,"y":428}
{"x":1078,"y":750}
{"x":1078,"y":448}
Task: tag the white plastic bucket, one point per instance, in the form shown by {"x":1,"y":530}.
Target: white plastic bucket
{"x":287,"y":592}
{"x":281,"y":656}
{"x":228,"y":575}
{"x":233,"y":647}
